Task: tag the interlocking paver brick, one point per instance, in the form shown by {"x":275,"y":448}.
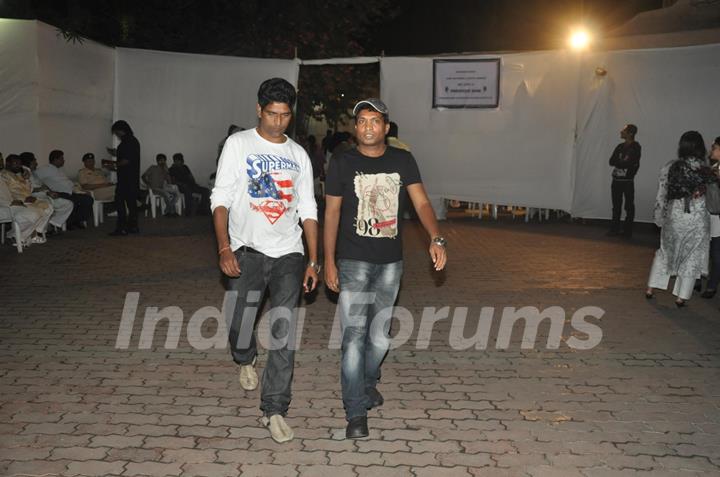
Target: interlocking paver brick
{"x":263,"y":470}
{"x":156,"y":469}
{"x":211,"y":470}
{"x":241,"y":456}
{"x":117,"y":441}
{"x":434,"y":471}
{"x":378,"y":471}
{"x":24,"y":453}
{"x":301,"y":457}
{"x":133,"y":454}
{"x":326,"y":471}
{"x":96,"y":468}
{"x":36,"y":467}
{"x":79,"y":453}
{"x":191,"y":456}
{"x":167,"y":442}
{"x":643,"y":402}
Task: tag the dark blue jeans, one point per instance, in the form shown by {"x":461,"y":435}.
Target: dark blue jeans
{"x":367,"y":294}
{"x":714,"y":277}
{"x":283,"y":276}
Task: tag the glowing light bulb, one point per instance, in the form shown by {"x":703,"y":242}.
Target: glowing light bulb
{"x":579,"y":39}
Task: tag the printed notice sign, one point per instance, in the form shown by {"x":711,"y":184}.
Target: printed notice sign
{"x":466,"y":83}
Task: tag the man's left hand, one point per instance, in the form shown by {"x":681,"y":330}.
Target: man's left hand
{"x":311,"y":279}
{"x":438,"y":255}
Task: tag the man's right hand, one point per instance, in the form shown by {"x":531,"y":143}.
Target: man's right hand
{"x":229,"y":264}
{"x":331,"y":277}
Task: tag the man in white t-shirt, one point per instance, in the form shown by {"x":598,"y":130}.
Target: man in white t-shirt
{"x":263,"y":188}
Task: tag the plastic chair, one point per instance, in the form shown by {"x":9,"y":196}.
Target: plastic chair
{"x":6,"y":216}
{"x":99,"y":209}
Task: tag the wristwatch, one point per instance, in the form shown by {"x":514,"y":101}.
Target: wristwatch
{"x":439,"y":240}
{"x":316,"y":266}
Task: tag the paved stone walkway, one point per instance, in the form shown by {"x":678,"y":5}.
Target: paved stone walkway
{"x":642,"y":402}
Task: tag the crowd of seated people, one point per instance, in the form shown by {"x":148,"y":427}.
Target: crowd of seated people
{"x":41,"y":196}
{"x":44,"y":200}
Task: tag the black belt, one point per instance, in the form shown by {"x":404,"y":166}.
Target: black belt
{"x":247,"y":249}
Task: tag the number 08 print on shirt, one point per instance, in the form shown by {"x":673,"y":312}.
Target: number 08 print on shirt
{"x":378,"y":196}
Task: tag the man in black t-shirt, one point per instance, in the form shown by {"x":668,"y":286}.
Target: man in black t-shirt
{"x":625,"y":160}
{"x":128,"y":178}
{"x":365,"y":195}
{"x":184,"y":179}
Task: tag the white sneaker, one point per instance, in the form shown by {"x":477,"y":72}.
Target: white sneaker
{"x":279,"y":430}
{"x":248,"y":376}
{"x":38,"y":239}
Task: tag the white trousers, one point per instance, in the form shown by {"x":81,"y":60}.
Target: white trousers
{"x":30,"y":219}
{"x":659,"y":279}
{"x":63,"y":209}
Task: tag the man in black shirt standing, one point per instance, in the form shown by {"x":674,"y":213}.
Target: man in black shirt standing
{"x":128,"y":178}
{"x":625,"y":160}
{"x":366,"y":190}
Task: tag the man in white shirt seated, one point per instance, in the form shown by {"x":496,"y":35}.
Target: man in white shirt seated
{"x":56,"y":180}
{"x":62,"y":208}
{"x":30,"y":219}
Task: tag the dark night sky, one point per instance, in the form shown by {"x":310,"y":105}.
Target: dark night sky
{"x":431,"y":27}
{"x":272,"y":27}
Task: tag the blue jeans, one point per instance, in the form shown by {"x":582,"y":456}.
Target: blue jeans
{"x":367,"y":294}
{"x":283,"y":276}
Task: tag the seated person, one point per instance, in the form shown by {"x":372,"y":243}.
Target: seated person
{"x":158,"y":179}
{"x":58,"y":183}
{"x":183,"y":178}
{"x":95,"y":180}
{"x":62,"y":208}
{"x":31,"y":213}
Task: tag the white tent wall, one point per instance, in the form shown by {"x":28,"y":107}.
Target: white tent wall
{"x":19,"y":72}
{"x":665,"y":92}
{"x":54,"y":94}
{"x":184,"y":103}
{"x":518,"y":154}
{"x":75,"y":97}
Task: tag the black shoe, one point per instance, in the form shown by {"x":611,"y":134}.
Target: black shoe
{"x":680,"y":303}
{"x":118,"y":233}
{"x":375,"y":399}
{"x":708,"y":293}
{"x":649,"y":296}
{"x":357,"y":428}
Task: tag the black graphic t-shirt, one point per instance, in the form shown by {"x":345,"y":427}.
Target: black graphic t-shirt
{"x":625,"y":160}
{"x":374,"y":198}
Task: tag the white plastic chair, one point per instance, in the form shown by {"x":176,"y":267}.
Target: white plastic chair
{"x":99,"y":209}
{"x":6,"y":217}
{"x":154,"y":200}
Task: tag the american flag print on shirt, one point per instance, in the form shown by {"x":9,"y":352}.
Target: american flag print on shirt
{"x":271,"y":186}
